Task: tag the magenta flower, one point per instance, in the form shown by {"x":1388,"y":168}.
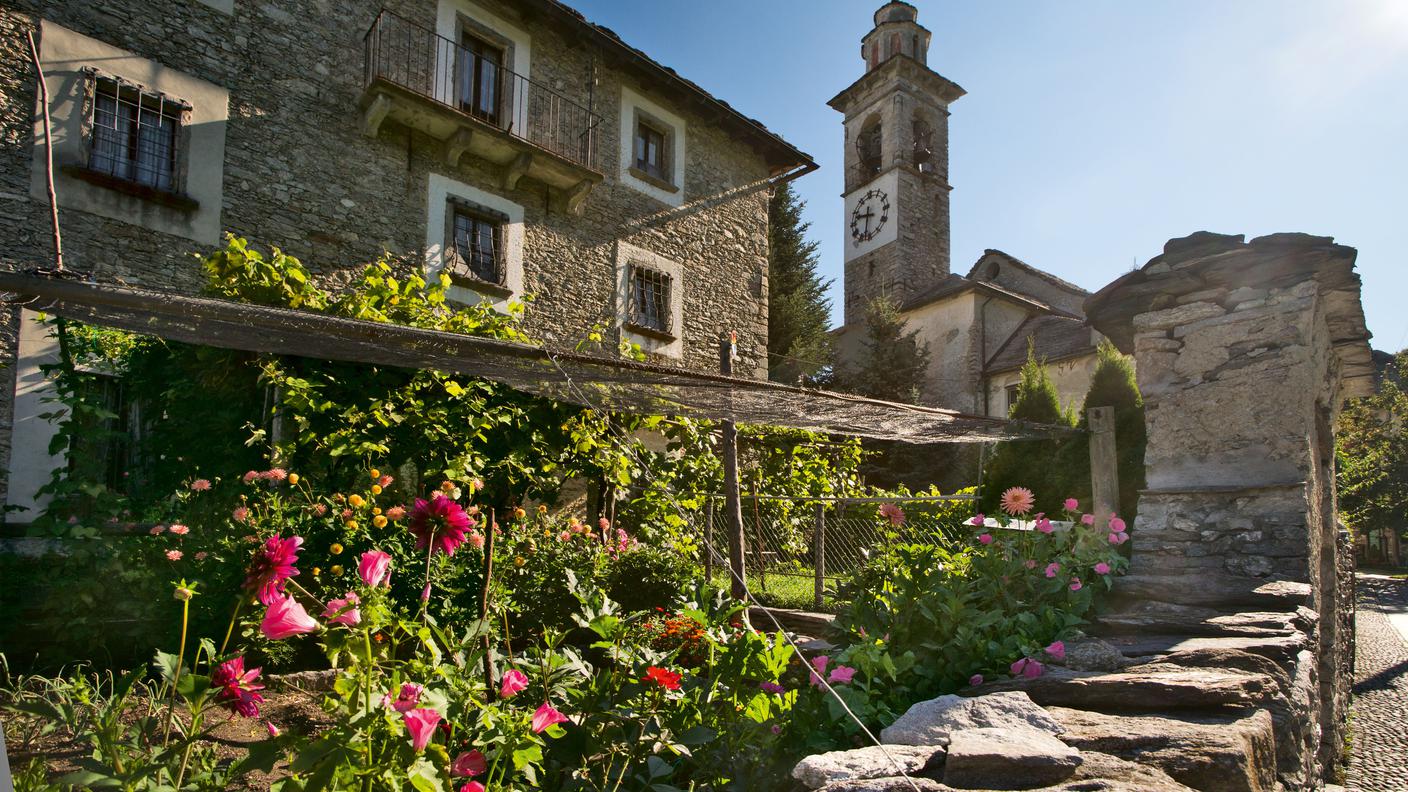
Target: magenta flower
{"x":975,"y":680}
{"x":421,"y":723}
{"x":1087,"y":519}
{"x":200,"y":485}
{"x":273,"y":565}
{"x":1017,"y":501}
{"x":286,"y":618}
{"x":272,"y":729}
{"x":471,"y":786}
{"x":1102,"y":568}
{"x":1071,"y":505}
{"x":1044,"y":525}
{"x":985,"y":538}
{"x":818,"y":663}
{"x":344,"y":611}
{"x":406,"y":700}
{"x":1119,"y":538}
{"x":513,"y":682}
{"x":1075,"y":584}
{"x":469,"y":763}
{"x":375,"y":568}
{"x":978,"y":520}
{"x":841,"y":674}
{"x":893,"y":513}
{"x":439,"y":522}
{"x":1057,"y":650}
{"x":772,"y":687}
{"x":1117,"y":525}
{"x":1027,"y":667}
{"x":546,"y":716}
{"x":1052,"y":568}
{"x":238,"y":689}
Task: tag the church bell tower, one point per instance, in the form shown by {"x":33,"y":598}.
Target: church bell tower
{"x":897,"y":202}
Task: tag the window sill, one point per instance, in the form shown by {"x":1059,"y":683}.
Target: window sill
{"x":653,"y":180}
{"x":650,"y":332}
{"x":482,"y":286}
{"x":178,"y":201}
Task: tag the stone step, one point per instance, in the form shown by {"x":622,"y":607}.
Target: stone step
{"x":1220,"y":591}
{"x":1144,"y":690}
{"x":1151,"y":616}
{"x":797,"y":621}
{"x":1280,"y":649}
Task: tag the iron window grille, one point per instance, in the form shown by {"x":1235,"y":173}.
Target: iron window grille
{"x":650,"y":151}
{"x":649,"y":307}
{"x":476,"y":243}
{"x":134,"y":134}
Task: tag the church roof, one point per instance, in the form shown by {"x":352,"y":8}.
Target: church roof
{"x":957,"y":284}
{"x":1054,"y":337}
{"x":1037,"y":271}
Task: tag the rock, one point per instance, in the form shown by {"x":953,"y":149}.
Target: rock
{"x":1007,"y":758}
{"x":1093,"y":654}
{"x":1142,"y":617}
{"x":1144,"y":690}
{"x":890,"y":784}
{"x":862,"y":763}
{"x":930,"y":722}
{"x":1223,"y":591}
{"x":1216,"y":657}
{"x":1234,"y":753}
{"x":1280,"y":649}
{"x":1100,"y":772}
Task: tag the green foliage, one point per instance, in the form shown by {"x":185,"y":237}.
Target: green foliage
{"x":799,"y":344}
{"x":1371,"y":457}
{"x":894,"y":363}
{"x":1033,"y":463}
{"x":1113,"y":385}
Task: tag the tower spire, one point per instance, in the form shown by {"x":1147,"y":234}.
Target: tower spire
{"x":897,"y":32}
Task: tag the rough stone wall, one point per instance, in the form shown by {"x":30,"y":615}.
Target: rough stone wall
{"x":299,"y":173}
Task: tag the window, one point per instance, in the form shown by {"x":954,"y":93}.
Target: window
{"x":476,"y":244}
{"x":481,"y":78}
{"x":868,"y":149}
{"x":649,"y":300}
{"x":650,"y":151}
{"x":1011,"y":391}
{"x":134,"y":134}
{"x":923,"y":145}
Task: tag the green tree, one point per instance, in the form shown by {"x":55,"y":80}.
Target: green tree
{"x":894,"y":362}
{"x":1112,"y":385}
{"x":1371,"y":450}
{"x":798,"y":308}
{"x":1034,"y":464}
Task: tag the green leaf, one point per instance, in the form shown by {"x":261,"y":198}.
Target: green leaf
{"x":657,"y":767}
{"x":527,"y":755}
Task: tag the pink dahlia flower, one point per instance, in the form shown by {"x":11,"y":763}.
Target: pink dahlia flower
{"x":239,"y":691}
{"x":546,"y":716}
{"x":1027,"y":667}
{"x":893,"y":513}
{"x":471,"y":786}
{"x":975,"y":680}
{"x":395,"y":513}
{"x":1018,"y":500}
{"x":286,"y":618}
{"x":513,"y":682}
{"x":344,"y":611}
{"x":375,"y":568}
{"x":1071,"y":505}
{"x":439,"y":522}
{"x":978,"y":520}
{"x":841,"y":674}
{"x":179,"y":529}
{"x":1087,"y":519}
{"x":240,"y":514}
{"x":1052,"y":568}
{"x":157,"y":530}
{"x":421,"y":723}
{"x":174,"y":555}
{"x":1102,"y":568}
{"x":273,"y":564}
{"x":470,"y":764}
{"x":1119,"y":538}
{"x":200,"y":485}
{"x":1044,"y":525}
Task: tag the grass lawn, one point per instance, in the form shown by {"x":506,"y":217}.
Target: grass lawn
{"x":786,"y":591}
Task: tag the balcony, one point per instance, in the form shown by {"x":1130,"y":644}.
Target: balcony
{"x":478,"y":107}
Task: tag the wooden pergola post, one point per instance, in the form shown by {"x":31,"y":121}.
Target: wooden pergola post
{"x":733,"y":505}
{"x":1104,"y":465}
{"x":819,"y":554}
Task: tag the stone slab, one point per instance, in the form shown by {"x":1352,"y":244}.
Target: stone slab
{"x":818,"y":770}
{"x":1154,"y":689}
{"x":1007,"y":758}
{"x":931,"y":722}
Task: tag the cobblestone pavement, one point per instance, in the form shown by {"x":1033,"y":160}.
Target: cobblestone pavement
{"x":1380,"y":759}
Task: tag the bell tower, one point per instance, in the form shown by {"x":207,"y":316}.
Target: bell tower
{"x":897,"y":203}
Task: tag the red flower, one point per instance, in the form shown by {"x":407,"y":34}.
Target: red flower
{"x":439,"y":522}
{"x":663,"y":677}
{"x":273,"y":564}
{"x":237,"y":687}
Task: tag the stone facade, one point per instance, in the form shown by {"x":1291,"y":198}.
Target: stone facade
{"x":300,"y":172}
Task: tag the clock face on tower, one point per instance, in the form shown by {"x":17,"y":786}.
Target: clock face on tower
{"x":869,"y":215}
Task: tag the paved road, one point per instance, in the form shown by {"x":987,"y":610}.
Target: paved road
{"x":1380,"y":760}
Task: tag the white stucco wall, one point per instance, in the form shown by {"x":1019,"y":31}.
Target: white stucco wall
{"x":1071,"y":377}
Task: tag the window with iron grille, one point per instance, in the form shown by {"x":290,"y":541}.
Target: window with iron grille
{"x":477,"y":244}
{"x":650,"y":300}
{"x":135,"y":134}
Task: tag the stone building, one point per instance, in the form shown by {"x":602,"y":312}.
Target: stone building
{"x":511,"y":143}
{"x":977,"y":326}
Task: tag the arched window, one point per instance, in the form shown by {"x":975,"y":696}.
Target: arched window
{"x":868,"y":156}
{"x":923,"y":147}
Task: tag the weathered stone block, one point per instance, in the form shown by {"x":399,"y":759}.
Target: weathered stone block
{"x":1008,"y":758}
{"x":931,"y":722}
{"x":862,"y":763}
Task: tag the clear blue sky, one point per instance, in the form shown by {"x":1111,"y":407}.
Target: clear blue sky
{"x":1094,"y":130}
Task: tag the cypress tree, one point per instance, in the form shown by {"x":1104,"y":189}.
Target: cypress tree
{"x":1113,"y":385}
{"x":798,"y":308}
{"x":1034,"y":464}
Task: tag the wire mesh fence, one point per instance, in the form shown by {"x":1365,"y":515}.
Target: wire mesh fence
{"x":798,"y":551}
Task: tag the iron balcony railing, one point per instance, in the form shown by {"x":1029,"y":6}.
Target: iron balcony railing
{"x":425,"y":63}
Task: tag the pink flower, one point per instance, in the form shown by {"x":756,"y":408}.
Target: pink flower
{"x":202,"y":555}
{"x":179,"y":529}
{"x":975,"y":680}
{"x":819,"y":663}
{"x":469,"y":763}
{"x":407,"y":699}
{"x":238,"y":689}
{"x":273,"y":564}
{"x":546,"y":716}
{"x":564,"y":536}
{"x":173,"y":555}
{"x":200,"y":485}
{"x":1075,"y":584}
{"x":157,"y":530}
{"x":1052,"y":568}
{"x":1030,"y":563}
{"x":476,"y":540}
{"x":421,"y":724}
{"x":841,"y":674}
{"x":375,"y":568}
{"x":250,"y":476}
{"x":1117,"y":525}
{"x":1119,"y":538}
{"x":439,"y":522}
{"x":471,"y":786}
{"x":344,"y":611}
{"x":1017,"y":500}
{"x":286,"y":618}
{"x":395,"y":513}
{"x":1087,"y":519}
{"x":1102,"y":568}
{"x":384,"y":481}
{"x":1044,"y":525}
{"x":978,"y":520}
{"x":1057,"y":650}
{"x":772,"y":687}
{"x":1027,"y":667}
{"x":604,"y":524}
{"x":985,"y":538}
{"x":1071,"y":505}
{"x":272,"y":729}
{"x":240,"y":514}
{"x":274,"y":474}
{"x":513,"y":682}
{"x":893,"y":513}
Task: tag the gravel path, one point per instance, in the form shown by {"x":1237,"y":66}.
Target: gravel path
{"x":1380,"y":759}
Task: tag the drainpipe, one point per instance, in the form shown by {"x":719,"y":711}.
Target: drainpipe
{"x":983,"y":354}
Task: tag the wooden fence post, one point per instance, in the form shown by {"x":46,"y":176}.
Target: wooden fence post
{"x":709,"y":539}
{"x":1104,"y":465}
{"x":733,"y":505}
{"x":819,"y":553}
